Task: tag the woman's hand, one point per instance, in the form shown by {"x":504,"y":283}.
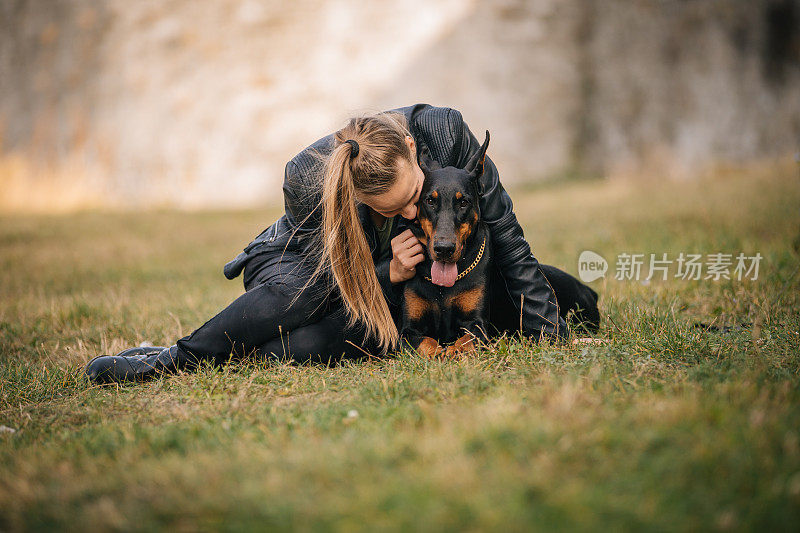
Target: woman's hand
{"x":407,"y":253}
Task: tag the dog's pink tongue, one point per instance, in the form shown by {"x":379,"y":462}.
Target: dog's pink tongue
{"x":444,"y":274}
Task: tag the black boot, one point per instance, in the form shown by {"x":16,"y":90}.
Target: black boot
{"x":133,"y":364}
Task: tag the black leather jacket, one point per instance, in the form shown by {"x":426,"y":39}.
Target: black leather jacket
{"x":451,"y":143}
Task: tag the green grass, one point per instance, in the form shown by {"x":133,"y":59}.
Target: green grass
{"x":666,"y":427}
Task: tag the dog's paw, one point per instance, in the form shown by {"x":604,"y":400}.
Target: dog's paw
{"x":430,"y":348}
{"x":464,"y":344}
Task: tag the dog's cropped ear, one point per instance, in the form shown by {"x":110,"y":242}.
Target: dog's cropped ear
{"x":419,"y":233}
{"x":425,"y":160}
{"x":476,"y":162}
{"x":416,"y":229}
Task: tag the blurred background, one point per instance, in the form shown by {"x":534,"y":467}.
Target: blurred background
{"x":200,"y":104}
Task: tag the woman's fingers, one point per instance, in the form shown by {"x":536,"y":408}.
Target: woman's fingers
{"x":416,"y":249}
{"x":409,"y":262}
{"x":411,"y":252}
{"x":417,"y":259}
{"x":402,"y":238}
{"x":408,"y":253}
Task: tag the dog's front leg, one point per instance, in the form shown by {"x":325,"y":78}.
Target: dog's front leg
{"x":422,"y":344}
{"x":470,"y":311}
{"x":463,"y":344}
{"x":430,"y":348}
{"x":420,"y":320}
{"x":468,"y":341}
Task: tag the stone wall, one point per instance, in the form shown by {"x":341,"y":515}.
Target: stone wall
{"x":200,"y":104}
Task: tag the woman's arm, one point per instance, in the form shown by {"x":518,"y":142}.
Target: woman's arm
{"x":398,"y":264}
{"x":524,"y":281}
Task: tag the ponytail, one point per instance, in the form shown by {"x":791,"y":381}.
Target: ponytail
{"x":349,"y":176}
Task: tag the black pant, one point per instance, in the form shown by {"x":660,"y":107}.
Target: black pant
{"x":279,"y":317}
{"x":271,"y":320}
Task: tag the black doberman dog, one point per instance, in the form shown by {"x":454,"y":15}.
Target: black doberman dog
{"x":448,"y":301}
{"x":450,"y":298}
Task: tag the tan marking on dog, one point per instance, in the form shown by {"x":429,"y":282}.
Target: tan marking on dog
{"x":463,"y":344}
{"x":462,"y":232}
{"x":415,"y":306}
{"x":467,"y":301}
{"x":429,"y":348}
{"x":459,"y":196}
{"x":435,"y":194}
{"x":427,"y":229}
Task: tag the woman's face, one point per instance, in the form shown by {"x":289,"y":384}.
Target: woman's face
{"x":402,"y":197}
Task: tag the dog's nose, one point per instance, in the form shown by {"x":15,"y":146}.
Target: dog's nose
{"x":444,"y":249}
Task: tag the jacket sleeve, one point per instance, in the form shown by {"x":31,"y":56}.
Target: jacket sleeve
{"x":391,"y":292}
{"x":524,"y":280}
{"x":301,"y":197}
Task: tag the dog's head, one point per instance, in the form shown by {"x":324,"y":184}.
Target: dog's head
{"x":448,"y":210}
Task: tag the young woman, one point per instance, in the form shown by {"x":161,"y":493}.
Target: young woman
{"x":323,"y":281}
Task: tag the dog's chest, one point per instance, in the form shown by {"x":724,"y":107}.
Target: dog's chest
{"x":442,"y":312}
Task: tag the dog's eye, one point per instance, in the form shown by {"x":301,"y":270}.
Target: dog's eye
{"x":463,"y":204}
{"x":429,"y":201}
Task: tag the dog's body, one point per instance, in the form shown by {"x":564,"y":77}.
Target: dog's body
{"x":451,"y":299}
{"x":448,"y":300}
{"x":450,"y":314}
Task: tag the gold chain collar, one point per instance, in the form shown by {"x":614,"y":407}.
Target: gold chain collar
{"x":473,"y":265}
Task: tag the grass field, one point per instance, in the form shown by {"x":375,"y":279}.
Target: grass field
{"x":666,"y":427}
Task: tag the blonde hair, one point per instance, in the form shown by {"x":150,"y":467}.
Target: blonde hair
{"x":346,"y":181}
